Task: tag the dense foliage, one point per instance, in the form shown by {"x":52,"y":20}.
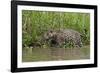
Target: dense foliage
{"x":35,"y":23}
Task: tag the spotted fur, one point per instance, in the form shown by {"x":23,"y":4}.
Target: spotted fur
{"x":58,"y":38}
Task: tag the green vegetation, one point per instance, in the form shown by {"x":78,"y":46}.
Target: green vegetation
{"x":36,"y":23}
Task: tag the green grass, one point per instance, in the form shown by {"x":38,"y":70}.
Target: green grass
{"x":36,"y":23}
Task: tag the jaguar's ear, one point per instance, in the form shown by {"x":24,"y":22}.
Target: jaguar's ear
{"x":50,"y":31}
{"x":55,"y":36}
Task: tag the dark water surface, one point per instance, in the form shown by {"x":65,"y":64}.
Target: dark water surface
{"x":53,"y":54}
